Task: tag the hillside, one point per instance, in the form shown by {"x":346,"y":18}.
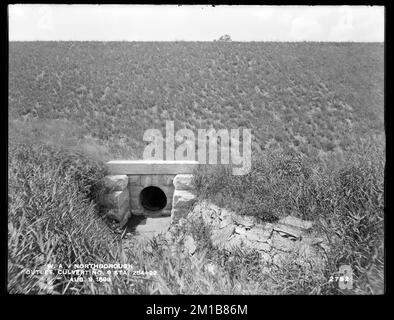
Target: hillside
{"x":307,"y":96}
{"x":74,"y":104}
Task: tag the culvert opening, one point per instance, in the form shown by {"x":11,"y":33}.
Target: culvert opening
{"x":153,"y":198}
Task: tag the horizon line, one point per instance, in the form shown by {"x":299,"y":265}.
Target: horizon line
{"x":232,"y":41}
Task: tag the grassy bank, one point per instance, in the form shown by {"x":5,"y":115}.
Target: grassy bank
{"x":53,"y":219}
{"x":343,"y":195}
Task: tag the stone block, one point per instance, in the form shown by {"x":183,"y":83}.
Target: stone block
{"x":115,"y":199}
{"x":166,"y":179}
{"x":296,"y":222}
{"x":115,"y":183}
{"x":130,"y":167}
{"x":135,"y":191}
{"x":134,"y":180}
{"x":259,"y":234}
{"x":183,"y":199}
{"x":183,"y":182}
{"x":149,"y":180}
{"x":177,"y":214}
{"x":287,"y":231}
{"x":245,"y":221}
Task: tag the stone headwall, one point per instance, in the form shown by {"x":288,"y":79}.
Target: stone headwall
{"x":127,"y":179}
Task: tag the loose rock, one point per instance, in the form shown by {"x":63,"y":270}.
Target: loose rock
{"x":288,"y":231}
{"x":296,"y":222}
{"x":259,"y":233}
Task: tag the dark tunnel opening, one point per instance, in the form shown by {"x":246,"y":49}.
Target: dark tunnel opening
{"x":153,"y":198}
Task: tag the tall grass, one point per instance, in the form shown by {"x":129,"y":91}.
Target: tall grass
{"x":343,"y":195}
{"x":53,"y":219}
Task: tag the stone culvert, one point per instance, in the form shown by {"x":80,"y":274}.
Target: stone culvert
{"x":149,"y":188}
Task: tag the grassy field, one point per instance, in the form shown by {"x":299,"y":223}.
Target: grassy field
{"x":316,"y":114}
{"x":307,"y":96}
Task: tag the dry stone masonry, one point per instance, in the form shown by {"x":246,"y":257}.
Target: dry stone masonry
{"x":151,"y":188}
{"x":290,"y":239}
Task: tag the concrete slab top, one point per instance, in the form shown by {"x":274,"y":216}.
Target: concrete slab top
{"x":116,"y":167}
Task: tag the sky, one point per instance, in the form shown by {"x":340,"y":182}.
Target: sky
{"x":195,"y":23}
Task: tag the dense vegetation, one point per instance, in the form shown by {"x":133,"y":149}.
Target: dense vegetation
{"x":343,"y":196}
{"x":308,"y":96}
{"x":316,"y":114}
